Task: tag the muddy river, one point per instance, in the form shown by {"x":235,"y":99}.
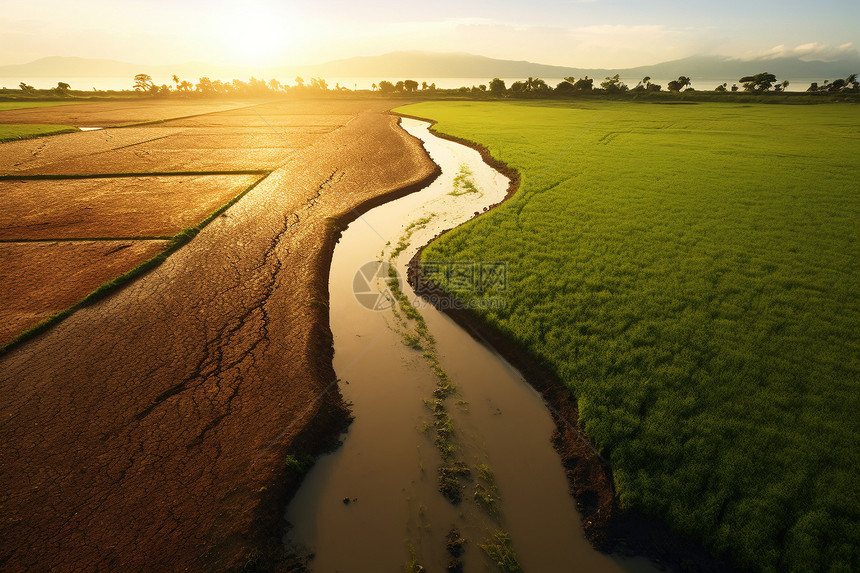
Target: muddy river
{"x":448,"y":460}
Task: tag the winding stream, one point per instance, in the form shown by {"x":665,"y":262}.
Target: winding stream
{"x":432,"y":406}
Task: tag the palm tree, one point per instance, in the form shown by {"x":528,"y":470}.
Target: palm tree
{"x":176,"y":80}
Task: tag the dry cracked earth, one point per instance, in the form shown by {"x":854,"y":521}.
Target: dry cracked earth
{"x":148,"y":430}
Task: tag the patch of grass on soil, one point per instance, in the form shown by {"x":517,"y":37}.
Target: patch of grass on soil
{"x":12,"y":132}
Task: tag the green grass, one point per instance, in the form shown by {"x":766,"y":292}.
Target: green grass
{"x":11,"y":132}
{"x":501,"y":551}
{"x":7,"y":105}
{"x":299,"y":464}
{"x":691,"y":273}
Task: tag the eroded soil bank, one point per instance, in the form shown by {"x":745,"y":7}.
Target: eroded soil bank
{"x":149,"y":430}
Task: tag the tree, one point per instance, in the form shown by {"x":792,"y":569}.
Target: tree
{"x":538,"y":85}
{"x":205,"y":86}
{"x":585,"y":84}
{"x":62,"y":89}
{"x":849,"y":84}
{"x":410,"y":85}
{"x":398,"y":87}
{"x":373,"y":87}
{"x":423,"y":85}
{"x":497,"y":86}
{"x":176,"y":80}
{"x":319,"y":84}
{"x":300,"y":82}
{"x":274,"y":84}
{"x":679,"y":84}
{"x":613,"y":85}
{"x":564,"y":86}
{"x":758,"y":83}
{"x":643,"y":84}
{"x":27,"y":89}
{"x":721,"y":88}
{"x":143,"y":83}
{"x":571,"y":84}
{"x":386,"y":87}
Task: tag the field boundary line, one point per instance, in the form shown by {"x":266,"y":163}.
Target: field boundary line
{"x":84,"y":239}
{"x":50,"y":177}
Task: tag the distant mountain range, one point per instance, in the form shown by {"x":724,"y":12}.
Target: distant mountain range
{"x":428,"y":65}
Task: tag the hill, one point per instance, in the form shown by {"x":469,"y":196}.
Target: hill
{"x":420,"y":65}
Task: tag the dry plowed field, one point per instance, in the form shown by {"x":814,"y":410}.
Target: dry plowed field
{"x":111,"y":114}
{"x":159,"y":206}
{"x":41,"y":278}
{"x":148,"y":430}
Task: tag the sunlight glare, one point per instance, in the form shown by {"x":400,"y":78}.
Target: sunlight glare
{"x":254,"y":34}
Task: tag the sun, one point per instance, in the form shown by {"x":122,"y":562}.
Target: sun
{"x":254,"y":33}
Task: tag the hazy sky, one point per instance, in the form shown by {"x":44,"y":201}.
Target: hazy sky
{"x":587,"y":33}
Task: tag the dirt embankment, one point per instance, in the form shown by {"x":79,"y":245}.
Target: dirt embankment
{"x":606,"y":525}
{"x":149,"y":431}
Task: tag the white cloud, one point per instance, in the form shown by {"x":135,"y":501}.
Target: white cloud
{"x":812,"y":51}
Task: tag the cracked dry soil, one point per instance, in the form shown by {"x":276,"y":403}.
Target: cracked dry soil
{"x":149,"y":430}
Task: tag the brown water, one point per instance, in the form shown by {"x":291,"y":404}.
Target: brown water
{"x":387,"y":467}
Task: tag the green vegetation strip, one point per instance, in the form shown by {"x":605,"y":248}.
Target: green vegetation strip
{"x":690,"y":273}
{"x":81,"y":239}
{"x":136,"y":174}
{"x":101,"y":292}
{"x":15,"y":132}
{"x":9,"y":105}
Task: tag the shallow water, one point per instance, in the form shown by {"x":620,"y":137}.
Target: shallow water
{"x":374,"y":504}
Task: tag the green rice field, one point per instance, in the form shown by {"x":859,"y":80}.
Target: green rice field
{"x":691,"y":273}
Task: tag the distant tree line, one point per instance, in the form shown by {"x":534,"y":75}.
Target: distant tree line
{"x":848,"y":85}
{"x":143,"y":83}
{"x":756,"y":84}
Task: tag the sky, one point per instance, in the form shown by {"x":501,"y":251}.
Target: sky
{"x":581,"y":33}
